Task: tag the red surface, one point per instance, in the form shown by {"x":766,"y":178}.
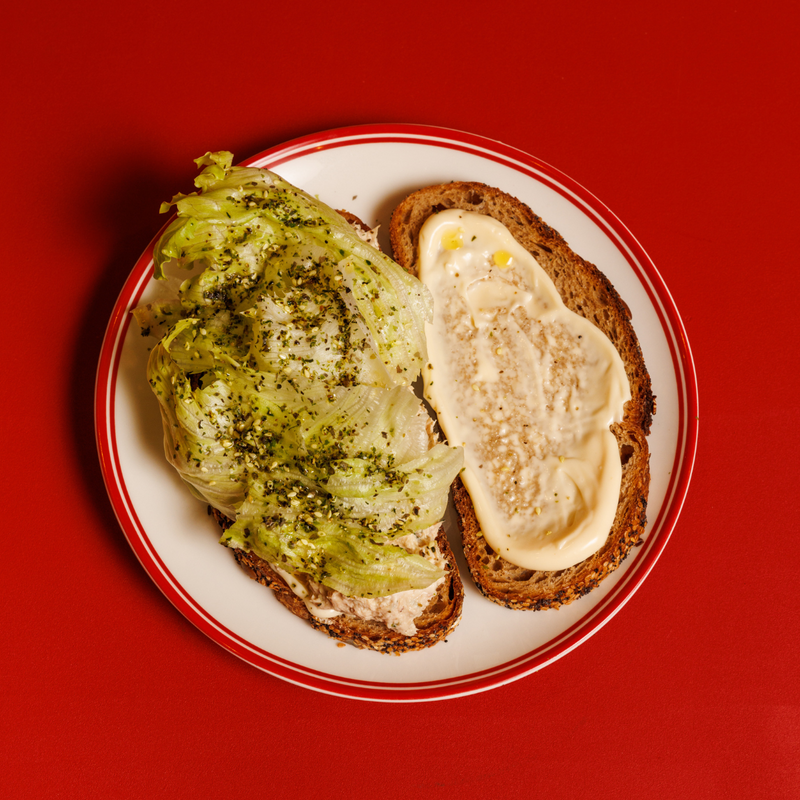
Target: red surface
{"x":682,"y":119}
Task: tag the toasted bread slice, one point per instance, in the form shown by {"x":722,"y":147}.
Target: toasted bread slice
{"x":440,"y":617}
{"x":586,"y":291}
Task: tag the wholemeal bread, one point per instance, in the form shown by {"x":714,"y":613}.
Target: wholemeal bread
{"x":586,"y":291}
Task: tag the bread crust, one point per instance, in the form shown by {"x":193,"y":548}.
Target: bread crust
{"x":588,"y":292}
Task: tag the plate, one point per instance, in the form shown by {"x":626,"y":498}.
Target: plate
{"x":368,"y":170}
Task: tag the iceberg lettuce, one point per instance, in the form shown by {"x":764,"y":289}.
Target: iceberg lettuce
{"x":284,"y":369}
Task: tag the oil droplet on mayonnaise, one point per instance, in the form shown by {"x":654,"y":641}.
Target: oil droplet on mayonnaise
{"x":529,"y":387}
{"x":452,"y":239}
{"x":502,"y":259}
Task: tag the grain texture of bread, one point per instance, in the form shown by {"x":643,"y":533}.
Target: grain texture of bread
{"x":586,"y":291}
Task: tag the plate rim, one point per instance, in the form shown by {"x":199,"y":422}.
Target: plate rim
{"x":514,"y":669}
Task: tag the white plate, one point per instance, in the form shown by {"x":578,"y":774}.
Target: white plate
{"x":368,"y":170}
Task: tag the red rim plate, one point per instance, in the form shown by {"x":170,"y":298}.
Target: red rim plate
{"x":660,"y":528}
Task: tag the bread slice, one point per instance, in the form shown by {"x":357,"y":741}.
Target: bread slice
{"x":440,"y":617}
{"x":586,"y":291}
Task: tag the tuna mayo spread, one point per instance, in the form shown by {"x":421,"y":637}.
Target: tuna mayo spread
{"x":527,"y":387}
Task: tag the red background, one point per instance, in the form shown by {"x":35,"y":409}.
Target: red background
{"x":681,"y":118}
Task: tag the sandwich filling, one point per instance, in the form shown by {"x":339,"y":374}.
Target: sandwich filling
{"x":527,"y":387}
{"x":396,"y":611}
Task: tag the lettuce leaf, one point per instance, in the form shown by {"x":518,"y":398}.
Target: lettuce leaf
{"x":283,"y":370}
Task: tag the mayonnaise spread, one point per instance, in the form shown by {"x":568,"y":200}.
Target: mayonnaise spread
{"x":527,"y":387}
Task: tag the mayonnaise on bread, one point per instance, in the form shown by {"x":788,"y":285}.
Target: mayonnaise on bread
{"x":527,"y":387}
